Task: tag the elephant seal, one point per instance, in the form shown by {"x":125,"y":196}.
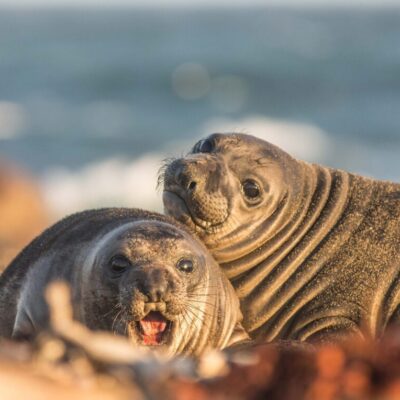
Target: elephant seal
{"x":131,"y":272}
{"x":313,"y":252}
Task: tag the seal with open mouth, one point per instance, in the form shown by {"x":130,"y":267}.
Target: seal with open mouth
{"x":133,"y":272}
{"x":313,"y":252}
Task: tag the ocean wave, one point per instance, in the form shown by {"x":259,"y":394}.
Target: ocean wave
{"x":112,"y":182}
{"x":305,"y":141}
{"x":132,"y":183}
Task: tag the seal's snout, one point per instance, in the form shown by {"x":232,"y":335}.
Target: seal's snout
{"x":185,"y":176}
{"x":153,"y":324}
{"x":192,"y":191}
{"x":156,"y":285}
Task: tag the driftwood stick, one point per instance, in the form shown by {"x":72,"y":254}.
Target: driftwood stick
{"x":102,"y":346}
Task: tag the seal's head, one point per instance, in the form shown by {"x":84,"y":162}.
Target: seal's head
{"x":157,"y":284}
{"x":227,"y":186}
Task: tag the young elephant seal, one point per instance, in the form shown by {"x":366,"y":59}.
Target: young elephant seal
{"x":313,"y":252}
{"x":132,"y":272}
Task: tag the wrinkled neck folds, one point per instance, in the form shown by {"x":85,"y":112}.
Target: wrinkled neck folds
{"x":209,"y":318}
{"x":275,"y":249}
{"x":323,"y":193}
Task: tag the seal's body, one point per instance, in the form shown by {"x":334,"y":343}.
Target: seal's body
{"x":132,"y":272}
{"x":313,"y":252}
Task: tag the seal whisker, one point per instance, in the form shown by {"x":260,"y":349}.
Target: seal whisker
{"x":204,"y":285}
{"x":165,"y":163}
{"x":192,"y":317}
{"x":200,"y":288}
{"x":199,"y":309}
{"x":153,"y":305}
{"x":195,"y":294}
{"x":194,"y":308}
{"x":184,"y":316}
{"x":201,"y":296}
{"x":115,"y":307}
{"x":115,"y":319}
{"x":197,"y":317}
{"x":208,"y":303}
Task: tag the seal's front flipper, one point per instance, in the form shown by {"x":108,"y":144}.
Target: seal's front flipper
{"x":24,"y":328}
{"x":239,"y":336}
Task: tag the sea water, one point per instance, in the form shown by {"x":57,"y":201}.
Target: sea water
{"x":91,"y":100}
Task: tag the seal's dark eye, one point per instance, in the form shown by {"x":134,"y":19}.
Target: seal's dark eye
{"x":119,"y":264}
{"x":204,"y":146}
{"x":185,"y":265}
{"x":251,"y":189}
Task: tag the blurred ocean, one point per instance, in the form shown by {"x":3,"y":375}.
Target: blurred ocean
{"x":92,"y":101}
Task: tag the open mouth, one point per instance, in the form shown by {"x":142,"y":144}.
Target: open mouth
{"x":153,"y":329}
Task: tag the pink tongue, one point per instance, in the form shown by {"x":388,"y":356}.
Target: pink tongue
{"x":153,"y":326}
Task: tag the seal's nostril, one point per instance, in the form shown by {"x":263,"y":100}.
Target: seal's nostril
{"x":192,"y":185}
{"x":181,"y":178}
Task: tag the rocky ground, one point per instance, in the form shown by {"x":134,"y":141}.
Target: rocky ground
{"x":71,"y":362}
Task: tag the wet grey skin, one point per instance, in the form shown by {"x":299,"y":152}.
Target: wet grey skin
{"x":125,"y":266}
{"x":313,"y":252}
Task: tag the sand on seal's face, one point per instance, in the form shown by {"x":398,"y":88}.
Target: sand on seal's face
{"x":131,"y":272}
{"x":312,"y":252}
